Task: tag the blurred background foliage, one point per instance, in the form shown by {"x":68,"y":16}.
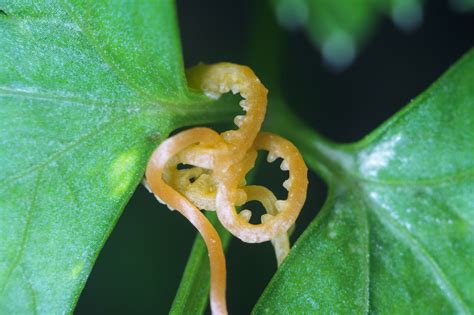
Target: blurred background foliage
{"x":345,"y":67}
{"x":341,"y":28}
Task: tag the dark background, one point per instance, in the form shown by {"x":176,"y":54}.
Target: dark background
{"x":139,"y":269}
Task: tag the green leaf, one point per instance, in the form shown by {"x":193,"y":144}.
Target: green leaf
{"x":87,"y":91}
{"x":339,"y":28}
{"x":396,"y":235}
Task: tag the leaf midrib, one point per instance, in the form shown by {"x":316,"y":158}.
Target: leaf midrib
{"x":465,"y":174}
{"x":11,"y":92}
{"x":341,"y":164}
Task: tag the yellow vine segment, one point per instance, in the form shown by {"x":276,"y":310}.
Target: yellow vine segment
{"x":199,"y":169}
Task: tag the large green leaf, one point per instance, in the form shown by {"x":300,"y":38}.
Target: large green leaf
{"x":87,"y":90}
{"x":396,"y":235}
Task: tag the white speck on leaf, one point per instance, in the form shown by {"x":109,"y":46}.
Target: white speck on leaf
{"x":376,"y":158}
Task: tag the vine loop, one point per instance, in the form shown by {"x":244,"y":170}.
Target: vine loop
{"x":217,"y":165}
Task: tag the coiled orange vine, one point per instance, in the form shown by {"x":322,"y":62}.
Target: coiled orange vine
{"x":219,"y":164}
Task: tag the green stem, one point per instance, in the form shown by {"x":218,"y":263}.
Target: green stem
{"x":209,"y":111}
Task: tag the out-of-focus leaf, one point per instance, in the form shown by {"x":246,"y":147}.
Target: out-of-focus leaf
{"x":339,"y":28}
{"x":462,"y":5}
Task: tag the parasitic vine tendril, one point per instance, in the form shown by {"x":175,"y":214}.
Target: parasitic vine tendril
{"x":219,"y":163}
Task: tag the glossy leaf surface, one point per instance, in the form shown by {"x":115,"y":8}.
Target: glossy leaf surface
{"x":87,"y":90}
{"x":396,"y":233}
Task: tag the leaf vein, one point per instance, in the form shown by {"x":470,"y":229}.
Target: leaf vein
{"x":109,"y":61}
{"x":99,"y":129}
{"x":10,"y":92}
{"x":467,"y":174}
{"x":22,"y":244}
{"x":33,"y":292}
